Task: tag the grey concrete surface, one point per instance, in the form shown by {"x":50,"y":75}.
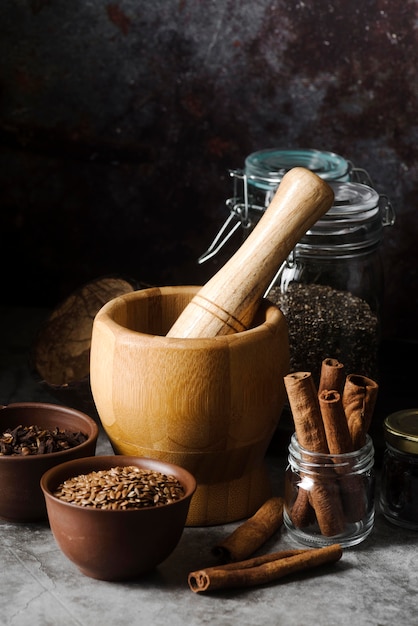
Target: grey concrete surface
{"x":374,"y":584}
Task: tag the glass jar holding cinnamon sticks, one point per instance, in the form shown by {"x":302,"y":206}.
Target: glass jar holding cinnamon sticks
{"x":329,"y":480}
{"x":329,"y":498}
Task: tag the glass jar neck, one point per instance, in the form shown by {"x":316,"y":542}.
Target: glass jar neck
{"x":314,"y":462}
{"x":324,"y":250}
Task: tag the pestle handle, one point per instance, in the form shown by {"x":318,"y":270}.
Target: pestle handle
{"x":228,"y":302}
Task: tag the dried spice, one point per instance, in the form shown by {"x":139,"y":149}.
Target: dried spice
{"x":252,"y":533}
{"x":323,"y":321}
{"x":327,"y":473}
{"x":127,"y":487}
{"x":32,"y":440}
{"x":261,"y":570}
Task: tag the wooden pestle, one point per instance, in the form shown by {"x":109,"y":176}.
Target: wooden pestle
{"x":227,"y":303}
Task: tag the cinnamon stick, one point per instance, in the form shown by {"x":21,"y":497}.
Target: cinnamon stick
{"x":320,"y":500}
{"x":303,"y":399}
{"x":339,"y":442}
{"x":302,"y":513}
{"x":302,"y":394}
{"x":310,"y":433}
{"x":325,"y":498}
{"x":332,"y":375}
{"x":335,"y":422}
{"x":359,"y":399}
{"x":353,"y":498}
{"x":253,"y":533}
{"x":262,"y":570}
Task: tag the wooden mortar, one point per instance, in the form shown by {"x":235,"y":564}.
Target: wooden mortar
{"x":210,"y":405}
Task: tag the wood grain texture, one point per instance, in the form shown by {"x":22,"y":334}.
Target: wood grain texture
{"x":228,"y":301}
{"x":210,"y":405}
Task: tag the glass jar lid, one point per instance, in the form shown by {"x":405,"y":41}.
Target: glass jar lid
{"x":266,"y":168}
{"x":353,"y":222}
{"x":401,"y":430}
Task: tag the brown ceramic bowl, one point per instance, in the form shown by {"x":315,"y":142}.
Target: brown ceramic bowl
{"x":21,"y":497}
{"x":116,"y":545}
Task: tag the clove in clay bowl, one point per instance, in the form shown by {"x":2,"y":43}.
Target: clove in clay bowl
{"x":35,"y":436}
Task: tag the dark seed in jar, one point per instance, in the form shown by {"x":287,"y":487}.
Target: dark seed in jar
{"x":127,"y":487}
{"x":323,"y":321}
{"x":30,"y":440}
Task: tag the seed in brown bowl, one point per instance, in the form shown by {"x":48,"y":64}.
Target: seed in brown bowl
{"x":126,"y":487}
{"x":28,"y":440}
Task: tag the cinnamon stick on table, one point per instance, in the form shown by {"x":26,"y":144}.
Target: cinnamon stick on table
{"x":253,"y":533}
{"x":263,"y":569}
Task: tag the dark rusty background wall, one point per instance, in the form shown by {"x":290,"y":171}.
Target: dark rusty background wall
{"x":119,"y":121}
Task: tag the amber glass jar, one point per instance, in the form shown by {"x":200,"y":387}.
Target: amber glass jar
{"x":399,"y":480}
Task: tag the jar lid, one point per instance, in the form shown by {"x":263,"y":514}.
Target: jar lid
{"x":353,"y":222}
{"x":351,"y":199}
{"x":266,"y":168}
{"x":401,"y":430}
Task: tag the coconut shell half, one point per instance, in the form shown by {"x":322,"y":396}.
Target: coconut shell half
{"x":60,"y":355}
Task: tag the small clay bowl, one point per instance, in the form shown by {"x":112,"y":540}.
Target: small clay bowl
{"x":116,"y":545}
{"x":21,"y":498}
